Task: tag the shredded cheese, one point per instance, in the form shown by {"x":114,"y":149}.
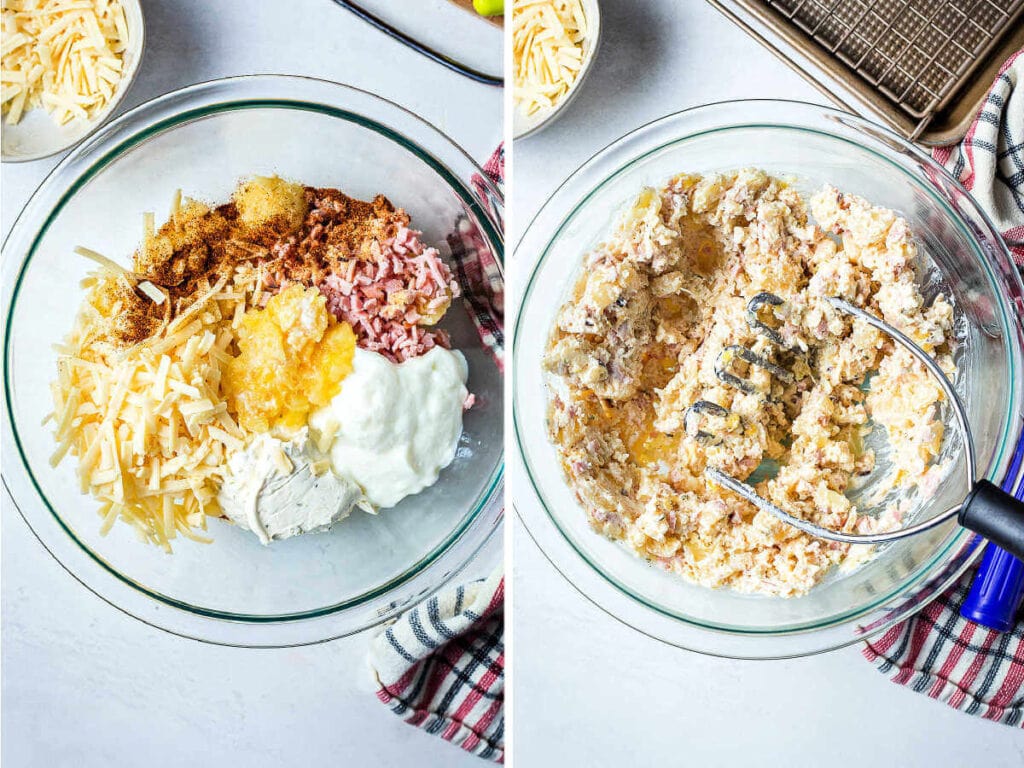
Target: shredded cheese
{"x":149,"y":424}
{"x":156,"y":294}
{"x":66,"y":56}
{"x":547,"y":48}
{"x":108,"y":264}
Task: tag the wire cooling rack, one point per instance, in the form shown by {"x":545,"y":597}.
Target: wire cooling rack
{"x":923,"y":64}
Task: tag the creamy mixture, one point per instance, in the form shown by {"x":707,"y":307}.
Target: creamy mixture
{"x":650,"y":319}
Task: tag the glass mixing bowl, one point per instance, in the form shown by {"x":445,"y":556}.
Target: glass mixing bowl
{"x":203,"y":139}
{"x":815,"y":146}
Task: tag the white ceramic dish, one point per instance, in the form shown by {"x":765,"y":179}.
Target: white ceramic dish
{"x":37,"y":136}
{"x":525,"y":125}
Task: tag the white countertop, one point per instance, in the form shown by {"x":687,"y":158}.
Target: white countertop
{"x":86,"y":685}
{"x":589,"y":690}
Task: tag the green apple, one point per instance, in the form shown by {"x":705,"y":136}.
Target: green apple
{"x":489,"y":7}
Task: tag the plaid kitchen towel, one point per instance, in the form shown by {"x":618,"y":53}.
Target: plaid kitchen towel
{"x":990,"y":160}
{"x":937,"y":652}
{"x":478,"y":270}
{"x":441,"y":665}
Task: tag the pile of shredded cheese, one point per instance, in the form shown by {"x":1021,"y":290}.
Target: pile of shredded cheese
{"x":64,"y":55}
{"x":149,"y":424}
{"x":547,"y":50}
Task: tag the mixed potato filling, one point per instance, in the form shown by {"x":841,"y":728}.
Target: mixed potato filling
{"x":658,"y":314}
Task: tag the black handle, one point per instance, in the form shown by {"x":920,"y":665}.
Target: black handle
{"x":996,"y":515}
{"x":445,"y":61}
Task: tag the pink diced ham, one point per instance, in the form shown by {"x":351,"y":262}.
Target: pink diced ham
{"x":384,"y":300}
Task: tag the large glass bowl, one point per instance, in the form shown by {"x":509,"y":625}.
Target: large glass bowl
{"x":203,"y":139}
{"x":815,"y":145}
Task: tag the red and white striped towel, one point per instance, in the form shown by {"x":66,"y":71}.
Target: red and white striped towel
{"x":990,"y":160}
{"x":942,"y":655}
{"x":478,"y":271}
{"x":937,"y":652}
{"x":441,"y":665}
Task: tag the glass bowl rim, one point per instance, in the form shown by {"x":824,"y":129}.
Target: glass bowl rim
{"x":138,"y":126}
{"x":961,"y":537}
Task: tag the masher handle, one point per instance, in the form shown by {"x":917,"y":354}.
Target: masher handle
{"x":996,"y":515}
{"x":998,"y":586}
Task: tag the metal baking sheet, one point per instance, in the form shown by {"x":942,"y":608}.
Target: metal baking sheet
{"x":923,"y":66}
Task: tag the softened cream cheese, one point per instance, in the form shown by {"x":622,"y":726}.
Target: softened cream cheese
{"x":277,"y":489}
{"x":393,"y":427}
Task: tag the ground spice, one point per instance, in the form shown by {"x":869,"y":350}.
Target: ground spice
{"x":199,"y":245}
{"x":337,"y":228}
{"x":196,"y":246}
{"x":131,"y":317}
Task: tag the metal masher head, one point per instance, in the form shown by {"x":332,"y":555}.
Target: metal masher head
{"x":735,"y":351}
{"x":696,"y":414}
{"x":754,"y":315}
{"x":747,"y":492}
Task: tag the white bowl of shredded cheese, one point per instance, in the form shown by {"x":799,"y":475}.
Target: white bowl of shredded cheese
{"x":554,"y":45}
{"x":66,"y":67}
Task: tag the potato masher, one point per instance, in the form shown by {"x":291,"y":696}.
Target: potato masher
{"x":987,"y":509}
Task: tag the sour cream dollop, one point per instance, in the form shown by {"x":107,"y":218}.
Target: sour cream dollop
{"x":393,"y":427}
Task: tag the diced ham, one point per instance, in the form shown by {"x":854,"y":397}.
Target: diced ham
{"x":385,"y":301}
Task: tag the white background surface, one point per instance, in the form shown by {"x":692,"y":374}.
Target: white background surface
{"x":85,"y":685}
{"x":588,"y":690}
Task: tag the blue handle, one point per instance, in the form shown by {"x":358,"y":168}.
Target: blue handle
{"x":998,"y":585}
{"x":996,"y":591}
